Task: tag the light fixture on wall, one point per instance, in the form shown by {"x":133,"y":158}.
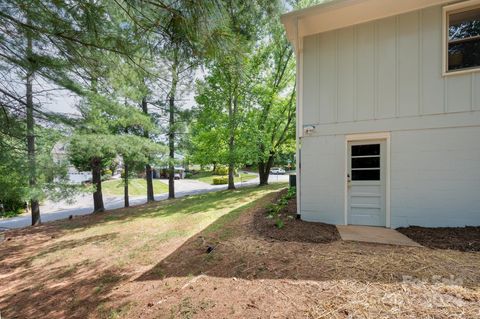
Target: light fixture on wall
{"x":308,"y":129}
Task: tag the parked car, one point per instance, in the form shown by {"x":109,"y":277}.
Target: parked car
{"x":177,"y":176}
{"x":277,"y":171}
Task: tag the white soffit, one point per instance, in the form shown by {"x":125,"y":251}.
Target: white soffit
{"x":343,"y":13}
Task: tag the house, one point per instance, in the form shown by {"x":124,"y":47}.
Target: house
{"x":59,"y":156}
{"x":388,"y":112}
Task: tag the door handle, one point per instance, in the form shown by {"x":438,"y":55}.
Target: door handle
{"x":349,"y":180}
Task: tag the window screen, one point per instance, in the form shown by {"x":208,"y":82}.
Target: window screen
{"x":365,"y":162}
{"x":464,"y":39}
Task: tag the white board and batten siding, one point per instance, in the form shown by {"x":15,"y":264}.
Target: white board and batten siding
{"x":386,"y":76}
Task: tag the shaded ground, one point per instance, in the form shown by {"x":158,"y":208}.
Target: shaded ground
{"x":456,"y":238}
{"x":294,"y":229}
{"x":138,"y":264}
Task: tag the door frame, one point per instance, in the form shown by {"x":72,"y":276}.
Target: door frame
{"x":365,"y":137}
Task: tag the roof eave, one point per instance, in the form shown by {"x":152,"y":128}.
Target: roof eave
{"x":343,"y":13}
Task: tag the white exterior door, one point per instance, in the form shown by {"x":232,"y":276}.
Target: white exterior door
{"x":366,"y":183}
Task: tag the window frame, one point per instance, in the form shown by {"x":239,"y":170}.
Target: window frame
{"x":376,"y":168}
{"x":447,"y":11}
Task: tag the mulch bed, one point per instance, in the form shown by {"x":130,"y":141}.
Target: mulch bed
{"x":456,"y":238}
{"x":294,"y":229}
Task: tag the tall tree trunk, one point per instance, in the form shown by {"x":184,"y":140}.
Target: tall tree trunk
{"x":32,"y":179}
{"x":125,"y":185}
{"x":171,"y":125}
{"x":231,"y":164}
{"x":96,"y":166}
{"x":264,"y":169}
{"x":261,"y":173}
{"x":231,"y":143}
{"x":148,"y":168}
{"x":171,"y":150}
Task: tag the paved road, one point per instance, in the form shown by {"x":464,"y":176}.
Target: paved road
{"x":82,"y":204}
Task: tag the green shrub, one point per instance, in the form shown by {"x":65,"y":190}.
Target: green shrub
{"x":292,"y":192}
{"x":107,"y":172}
{"x":188,"y":175}
{"x":273,"y":210}
{"x":9,"y":214}
{"x":221,"y":170}
{"x":279,"y":223}
{"x":220,"y":180}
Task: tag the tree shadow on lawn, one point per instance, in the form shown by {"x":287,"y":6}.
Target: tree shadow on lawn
{"x":22,"y":255}
{"x":242,"y":250}
{"x":32,"y":290}
{"x":63,"y":292}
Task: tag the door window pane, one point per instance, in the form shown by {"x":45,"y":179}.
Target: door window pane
{"x":365,"y":150}
{"x":366,"y":162}
{"x":366,"y":175}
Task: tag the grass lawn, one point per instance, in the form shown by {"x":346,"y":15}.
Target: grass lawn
{"x":69,"y":268}
{"x":207,"y":177}
{"x":152,"y":261}
{"x":136,"y":187}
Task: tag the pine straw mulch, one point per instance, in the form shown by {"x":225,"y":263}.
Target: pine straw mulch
{"x":255,"y":272}
{"x":456,"y":238}
{"x":294,"y":229}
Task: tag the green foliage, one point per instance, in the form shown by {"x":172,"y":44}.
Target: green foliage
{"x":11,"y":213}
{"x":291,"y":193}
{"x":246,"y":104}
{"x":85,"y":147}
{"x":273,"y":118}
{"x":220,"y":180}
{"x":279,"y":223}
{"x":220,"y":170}
{"x":13,"y":180}
{"x":274,"y":210}
{"x":50,"y":175}
{"x":115,"y":55}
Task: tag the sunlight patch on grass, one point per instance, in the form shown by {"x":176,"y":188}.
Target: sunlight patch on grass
{"x":207,"y":177}
{"x":136,"y":187}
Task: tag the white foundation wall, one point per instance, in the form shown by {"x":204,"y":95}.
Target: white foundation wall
{"x":435,"y":177}
{"x":322,"y":183}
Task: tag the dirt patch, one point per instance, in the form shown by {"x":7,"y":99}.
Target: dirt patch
{"x":456,"y":238}
{"x":294,"y":229}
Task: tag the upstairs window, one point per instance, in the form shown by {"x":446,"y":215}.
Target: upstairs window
{"x":462,"y":37}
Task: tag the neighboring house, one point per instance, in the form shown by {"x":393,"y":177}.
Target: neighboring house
{"x":162,"y":172}
{"x":59,"y":155}
{"x":388,"y":105}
